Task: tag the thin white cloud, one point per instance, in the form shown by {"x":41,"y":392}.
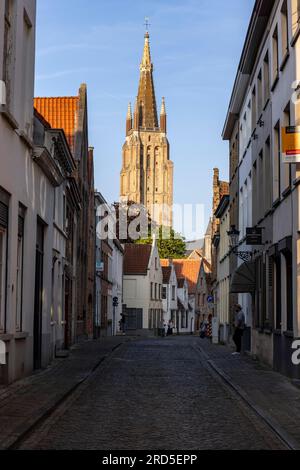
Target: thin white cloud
{"x":63,"y":73}
{"x":70,"y":47}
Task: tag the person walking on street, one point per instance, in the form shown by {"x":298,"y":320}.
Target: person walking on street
{"x":170,"y":328}
{"x":239,"y":323}
{"x":203,"y":329}
{"x":162,"y":328}
{"x":123,"y":323}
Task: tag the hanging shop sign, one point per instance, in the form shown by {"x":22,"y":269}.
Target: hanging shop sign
{"x":253,"y":236}
{"x":291,"y":144}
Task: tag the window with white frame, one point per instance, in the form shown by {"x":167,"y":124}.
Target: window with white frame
{"x":268,"y":175}
{"x":275,"y":55}
{"x":284,"y":29}
{"x":259,"y":94}
{"x":245,"y":205}
{"x":241,"y":224}
{"x":26,"y":72}
{"x":287,"y":168}
{"x":295,"y":15}
{"x":254,"y":109}
{"x":277,"y":163}
{"x":3,"y":242}
{"x":20,"y":266}
{"x":4,"y":204}
{"x":266,"y":78}
{"x":8,"y":49}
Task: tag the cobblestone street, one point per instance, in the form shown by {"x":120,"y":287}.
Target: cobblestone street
{"x":154,"y":394}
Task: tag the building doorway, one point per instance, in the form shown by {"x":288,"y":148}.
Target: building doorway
{"x":38,"y":296}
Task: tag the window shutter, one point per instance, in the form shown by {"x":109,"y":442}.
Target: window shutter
{"x":20,"y":226}
{"x":3,"y":215}
{"x":270,"y":290}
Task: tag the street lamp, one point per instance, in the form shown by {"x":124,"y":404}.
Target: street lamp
{"x":234,"y":235}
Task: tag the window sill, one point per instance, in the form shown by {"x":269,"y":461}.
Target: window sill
{"x":266,"y":104}
{"x":296,"y":182}
{"x":21,"y":335}
{"x":27,"y":141}
{"x":296,"y":35}
{"x":9,"y":117}
{"x":60,"y":230}
{"x":268,"y":331}
{"x":268,"y":212}
{"x":276,"y":80}
{"x":286,"y":192}
{"x":284,"y":60}
{"x":276,"y":202}
{"x":6,"y":337}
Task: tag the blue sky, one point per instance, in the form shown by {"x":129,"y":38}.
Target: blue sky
{"x":195,"y":47}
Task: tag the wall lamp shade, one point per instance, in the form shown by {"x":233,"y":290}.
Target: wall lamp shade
{"x":233,"y":235}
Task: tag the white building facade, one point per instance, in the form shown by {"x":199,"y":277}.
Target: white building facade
{"x":142,"y":289}
{"x":223,"y":271}
{"x":20,"y":181}
{"x":268,"y":73}
{"x":169,"y":294}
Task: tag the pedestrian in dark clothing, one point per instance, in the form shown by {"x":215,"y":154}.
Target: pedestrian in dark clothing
{"x":239,"y":324}
{"x":123,"y":323}
{"x":170,"y":328}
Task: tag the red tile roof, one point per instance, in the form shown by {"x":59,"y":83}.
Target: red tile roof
{"x":136,"y":259}
{"x":164,"y":262}
{"x":166,"y":274}
{"x":188,"y":268}
{"x":61,"y":113}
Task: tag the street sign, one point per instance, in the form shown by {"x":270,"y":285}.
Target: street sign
{"x":291,"y":144}
{"x":253,"y":236}
{"x":210,"y":299}
{"x":99,"y":266}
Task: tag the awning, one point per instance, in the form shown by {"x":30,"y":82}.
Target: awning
{"x":243,"y":279}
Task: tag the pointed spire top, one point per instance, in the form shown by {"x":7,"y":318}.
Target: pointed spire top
{"x":163,"y":106}
{"x":146,"y":65}
{"x":146,"y":94}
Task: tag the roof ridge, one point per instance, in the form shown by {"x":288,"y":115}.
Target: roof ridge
{"x":55,"y":97}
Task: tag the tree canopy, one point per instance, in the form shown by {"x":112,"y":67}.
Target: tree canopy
{"x":169,"y":247}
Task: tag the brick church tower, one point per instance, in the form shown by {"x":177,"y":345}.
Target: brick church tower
{"x":147,"y":172}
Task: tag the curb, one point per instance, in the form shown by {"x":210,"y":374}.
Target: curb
{"x":288,"y":440}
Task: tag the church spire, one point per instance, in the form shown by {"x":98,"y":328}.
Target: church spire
{"x":146,"y":92}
